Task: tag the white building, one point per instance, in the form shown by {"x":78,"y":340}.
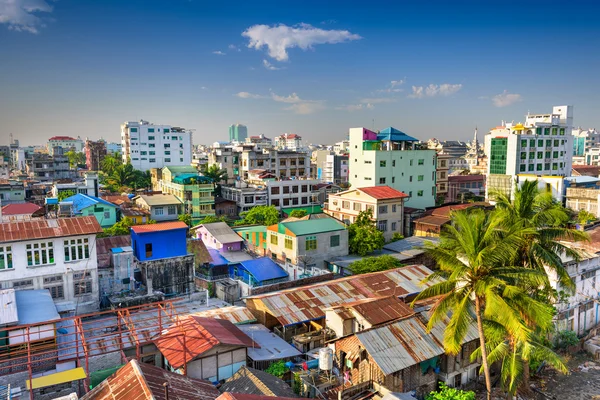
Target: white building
{"x":149,"y":146}
{"x":541,"y":148}
{"x":389,"y":158}
{"x":260,"y":142}
{"x":54,"y":254}
{"x":584,"y":140}
{"x":66,"y":142}
{"x":289,"y":141}
{"x":89,"y":186}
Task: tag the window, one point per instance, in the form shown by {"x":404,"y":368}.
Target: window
{"x":421,"y":161}
{"x":275,"y":190}
{"x":555,"y":131}
{"x":420,"y":178}
{"x":152,"y":160}
{"x":55,"y":286}
{"x":166,"y":130}
{"x":286,"y":189}
{"x":132,"y":129}
{"x":6,"y":258}
{"x":411,"y":162}
{"x":40,"y":253}
{"x":274,"y":239}
{"x":382,"y":180}
{"x":150,"y":137}
{"x":295,"y":201}
{"x":295,"y":189}
{"x":556,"y":143}
{"x":248,"y":199}
{"x":370,"y":207}
{"x":346,"y":205}
{"x":383,"y":209}
{"x":393,"y":163}
{"x":288,"y":243}
{"x":168,"y":146}
{"x":393,"y":226}
{"x":555,"y":154}
{"x":420,"y":193}
{"x":538,"y":167}
{"x":530,"y":167}
{"x":171,"y":210}
{"x":304,"y":188}
{"x":554,"y":166}
{"x":82,"y":283}
{"x":150,"y":130}
{"x":382,"y":225}
{"x":274,"y":256}
{"x":148,"y":249}
{"x":167,"y":160}
{"x":76,"y":249}
{"x":368,"y":162}
{"x":531,"y":155}
{"x":562,"y":131}
{"x":21,"y":285}
{"x":524,"y":143}
{"x":540,"y":155}
{"x":305,"y":200}
{"x":393,"y":179}
{"x":523,"y":155}
{"x":531,"y":142}
{"x":167,"y":153}
{"x":410,"y":178}
{"x":382,"y":163}
{"x":173,"y":137}
{"x":546,"y":166}
{"x":152,"y":145}
{"x":522,"y":168}
{"x":334,"y":241}
{"x":286,"y":202}
{"x":356,"y":206}
{"x":311,"y":243}
{"x":158,"y":211}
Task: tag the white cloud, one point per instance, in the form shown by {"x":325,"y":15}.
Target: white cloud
{"x":279,"y":38}
{"x":20,"y":15}
{"x":356,"y":107}
{"x":234,"y":47}
{"x":393,"y":87}
{"x":377,"y":100}
{"x":247,"y":95}
{"x":397,"y":83}
{"x":270,"y":66}
{"x":218,"y":52}
{"x":292,"y":98}
{"x":445,"y":89}
{"x":506,"y":99}
{"x":306,"y":108}
{"x":296,"y":104}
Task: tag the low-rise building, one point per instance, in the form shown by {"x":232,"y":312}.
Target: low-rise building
{"x":94,"y":154}
{"x":11,"y":191}
{"x":67,"y":143}
{"x":19,"y":211}
{"x":225,"y":208}
{"x":162,"y":207}
{"x":220,"y":236}
{"x":289,"y":141}
{"x":250,"y":381}
{"x":583,"y":199}
{"x":245,"y":197}
{"x":89,"y":185}
{"x":102,"y":210}
{"x":432,"y":223}
{"x":465,"y":187}
{"x":386,"y":204}
{"x":54,"y":254}
{"x":271,"y":348}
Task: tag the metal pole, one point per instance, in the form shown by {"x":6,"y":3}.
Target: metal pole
{"x":29,"y":369}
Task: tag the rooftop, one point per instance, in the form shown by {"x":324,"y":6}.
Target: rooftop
{"x":383,"y":192}
{"x":160,"y":227}
{"x":221,"y":232}
{"x":308,"y":227}
{"x":432,"y":220}
{"x":272,"y":347}
{"x":244,"y":396}
{"x":586,"y":170}
{"x":395,"y":135}
{"x":264,"y":269}
{"x":48,"y":228}
{"x":61,"y":138}
{"x":117,"y":199}
{"x":104,"y":246}
{"x":410,"y":244}
{"x":251,"y":381}
{"x":159,"y":199}
{"x":82,"y":201}
{"x":34,"y":306}
{"x":380,"y":310}
{"x":181,"y":169}
{"x":8,"y":307}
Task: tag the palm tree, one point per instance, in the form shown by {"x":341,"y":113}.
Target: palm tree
{"x":478,"y":284}
{"x":123,"y":175}
{"x":216,"y":174}
{"x":110,"y":163}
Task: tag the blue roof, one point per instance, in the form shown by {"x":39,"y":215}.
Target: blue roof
{"x":83,"y":201}
{"x":217,"y":258}
{"x":264,"y":269}
{"x":395,"y":135}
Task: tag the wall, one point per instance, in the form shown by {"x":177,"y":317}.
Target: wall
{"x":210,"y":368}
{"x":317,"y":257}
{"x":171,"y":243}
{"x":169,"y":275}
{"x":104,"y":220}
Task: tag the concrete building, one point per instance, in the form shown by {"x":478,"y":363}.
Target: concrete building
{"x":46,"y":167}
{"x":386,"y":203}
{"x":88,"y":186}
{"x":245,"y":197}
{"x":147,"y":145}
{"x":94,"y":154}
{"x":162,"y":207}
{"x":584,"y":140}
{"x":442,"y":171}
{"x":67,"y":143}
{"x":260,"y":142}
{"x":583,"y":199}
{"x":281,"y":163}
{"x":331,"y":167}
{"x":82,"y":204}
{"x":114,"y":148}
{"x":390,"y":158}
{"x":54,"y":254}
{"x":238,"y":133}
{"x":11,"y":191}
{"x":462,"y":188}
{"x":220,"y":236}
{"x":289,"y":141}
{"x":540,"y":148}
{"x":226,"y":157}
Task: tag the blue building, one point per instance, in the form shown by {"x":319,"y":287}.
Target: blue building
{"x":258,"y":272}
{"x":105,"y":212}
{"x":157,"y":241}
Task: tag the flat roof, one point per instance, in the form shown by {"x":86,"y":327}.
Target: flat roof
{"x":35,"y":306}
{"x":272,"y":347}
{"x":8,"y":307}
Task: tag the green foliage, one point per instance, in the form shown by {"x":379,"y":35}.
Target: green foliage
{"x":259,"y":215}
{"x":396,"y":236}
{"x":211,"y":289}
{"x":124,"y":177}
{"x":120,"y":228}
{"x":297,"y":384}
{"x":110,"y":163}
{"x":64,"y":194}
{"x":277,"y":369}
{"x":75,"y":158}
{"x":363,"y":236}
{"x":374,"y":264}
{"x":585,"y":217}
{"x":215,"y":173}
{"x":448,"y":393}
{"x":187,"y":218}
{"x":298,"y":213}
{"x":209,"y":219}
{"x":565,"y":339}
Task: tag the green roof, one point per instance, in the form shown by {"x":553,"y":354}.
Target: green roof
{"x":182,"y":169}
{"x":308,"y":209}
{"x":242,"y":231}
{"x":313,"y":226}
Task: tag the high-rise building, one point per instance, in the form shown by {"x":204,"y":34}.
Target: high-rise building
{"x":390,"y":158}
{"x":238,"y":133}
{"x":94,"y":154}
{"x":541,"y":148}
{"x":147,"y":145}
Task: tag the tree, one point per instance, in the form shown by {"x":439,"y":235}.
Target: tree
{"x":75,"y":158}
{"x":122,"y":176}
{"x":584,"y":217}
{"x":141,"y":179}
{"x":374,"y":264}
{"x":215,"y":173}
{"x":65,"y":194}
{"x":209,"y":219}
{"x":110,"y":163}
{"x":448,"y":393}
{"x":259,"y":215}
{"x":120,"y":228}
{"x":298,"y":213}
{"x":473,"y":257}
{"x":363,"y":236}
{"x":277,"y":369}
{"x":187,"y":218}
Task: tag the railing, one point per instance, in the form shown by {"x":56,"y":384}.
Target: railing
{"x":212,"y":278}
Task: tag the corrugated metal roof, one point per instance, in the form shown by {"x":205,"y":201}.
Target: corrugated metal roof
{"x":244,"y":396}
{"x":439,"y":329}
{"x":410,"y":243}
{"x":264,"y":269}
{"x":312,"y":226}
{"x":35,"y":306}
{"x":383,"y":192}
{"x":201,"y":335}
{"x":48,"y":228}
{"x":8,"y":307}
{"x":400,"y":345}
{"x":163,"y":226}
{"x":307,"y":303}
{"x":104,"y":245}
{"x":139,"y":381}
{"x":272,"y":347}
{"x":252,"y":381}
{"x":394,"y":135}
{"x":237,"y":315}
{"x":82,"y":201}
{"x":432,"y":220}
{"x":222,"y":232}
{"x":20,"y":208}
{"x":381,"y":310}
{"x":160,"y":199}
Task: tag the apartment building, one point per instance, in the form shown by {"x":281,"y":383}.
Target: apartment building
{"x":245,"y":196}
{"x":442,"y":170}
{"x":94,"y":154}
{"x":283,"y":164}
{"x":584,"y":140}
{"x":147,"y":145}
{"x":330,"y":167}
{"x":226,"y":157}
{"x":54,"y":254}
{"x":541,"y":148}
{"x":390,"y":158}
{"x":238,"y":133}
{"x":289,"y":141}
{"x":11,"y":191}
{"x":46,"y":167}
{"x":162,"y":207}
{"x":67,"y":143}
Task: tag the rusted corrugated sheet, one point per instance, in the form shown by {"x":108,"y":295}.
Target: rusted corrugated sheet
{"x":382,"y":310}
{"x":235,"y":314}
{"x":48,"y":228}
{"x":104,"y":245}
{"x":439,"y":329}
{"x":308,"y":303}
{"x":162,"y":226}
{"x":400,"y":345}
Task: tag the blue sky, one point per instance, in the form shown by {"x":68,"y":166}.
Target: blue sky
{"x":437,"y":69}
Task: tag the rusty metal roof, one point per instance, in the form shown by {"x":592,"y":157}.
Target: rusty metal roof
{"x":439,"y":329}
{"x":48,"y":228}
{"x":381,"y":310}
{"x":432,"y":220}
{"x":201,"y":335}
{"x":244,"y":396}
{"x":307,"y":303}
{"x":104,"y":245}
{"x":162,"y":226}
{"x":139,"y":381}
{"x":400,"y":345}
{"x":237,"y":315}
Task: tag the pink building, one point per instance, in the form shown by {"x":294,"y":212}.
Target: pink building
{"x":219,"y":236}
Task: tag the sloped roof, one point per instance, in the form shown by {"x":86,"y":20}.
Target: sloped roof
{"x":160,"y":199}
{"x":586,"y":170}
{"x":82,"y":201}
{"x":432,"y":220}
{"x":162,"y":226}
{"x":380,"y":310}
{"x":222,"y":232}
{"x":309,"y":227}
{"x":20,"y":208}
{"x":272,"y":347}
{"x":244,"y":396}
{"x":308,"y":303}
{"x":105,"y":244}
{"x":264,"y":269}
{"x":252,"y":381}
{"x":201,"y":335}
{"x":395,"y":135}
{"x":139,"y":381}
{"x":48,"y":228}
{"x":117,"y":199}
{"x":383,"y":192}
{"x":61,"y":138}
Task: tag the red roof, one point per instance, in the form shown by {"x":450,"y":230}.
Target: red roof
{"x":201,"y":335}
{"x":243,"y":396}
{"x":48,"y":228}
{"x":62,"y":138}
{"x":432,"y":220}
{"x":163,"y":226}
{"x":446,"y":210}
{"x":290,"y":136}
{"x":18,"y":209}
{"x":383,"y":192}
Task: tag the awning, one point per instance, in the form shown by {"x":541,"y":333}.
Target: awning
{"x":309,"y":209}
{"x":56,"y":379}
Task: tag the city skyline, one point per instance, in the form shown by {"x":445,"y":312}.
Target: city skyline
{"x":432,"y":71}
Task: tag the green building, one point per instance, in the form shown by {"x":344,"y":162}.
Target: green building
{"x":195,"y":192}
{"x":105,"y":212}
{"x":238,"y":133}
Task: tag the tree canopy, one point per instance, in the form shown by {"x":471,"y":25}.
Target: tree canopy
{"x":298,"y":213}
{"x":363,"y":236}
{"x":374,"y":264}
{"x":259,"y":215}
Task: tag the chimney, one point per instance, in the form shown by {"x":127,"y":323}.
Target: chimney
{"x":166,"y":386}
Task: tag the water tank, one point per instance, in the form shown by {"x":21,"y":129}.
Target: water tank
{"x":325,"y":359}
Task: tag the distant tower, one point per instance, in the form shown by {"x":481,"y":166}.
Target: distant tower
{"x":238,"y":133}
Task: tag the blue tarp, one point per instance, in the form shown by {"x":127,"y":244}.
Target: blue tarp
{"x":395,"y":135}
{"x":83,"y":201}
{"x":263,"y":269}
{"x":217,"y":258}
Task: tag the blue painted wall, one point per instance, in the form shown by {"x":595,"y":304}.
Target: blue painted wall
{"x":165,"y":244}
